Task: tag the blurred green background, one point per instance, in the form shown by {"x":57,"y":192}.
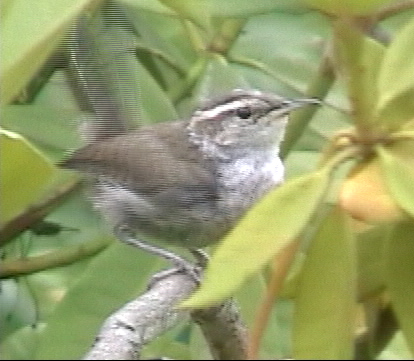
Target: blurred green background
{"x":62,"y":273}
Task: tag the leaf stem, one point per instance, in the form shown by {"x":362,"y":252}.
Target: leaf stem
{"x":281,"y":265}
{"x":195,"y":39}
{"x":339,"y":157}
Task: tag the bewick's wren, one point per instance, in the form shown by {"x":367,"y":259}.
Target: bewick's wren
{"x":188,"y":182}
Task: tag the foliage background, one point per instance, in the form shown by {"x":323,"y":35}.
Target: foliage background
{"x":186,"y":51}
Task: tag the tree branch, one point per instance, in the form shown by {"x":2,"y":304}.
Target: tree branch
{"x":140,"y":321}
{"x":394,"y":9}
{"x":224,"y":331}
{"x":59,"y":258}
{"x":35,"y":213}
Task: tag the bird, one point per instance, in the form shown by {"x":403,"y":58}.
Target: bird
{"x":187,"y":182}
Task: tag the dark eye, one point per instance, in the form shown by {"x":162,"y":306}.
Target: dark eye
{"x":244,"y":112}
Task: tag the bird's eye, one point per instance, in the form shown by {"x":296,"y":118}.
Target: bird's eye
{"x":244,"y":112}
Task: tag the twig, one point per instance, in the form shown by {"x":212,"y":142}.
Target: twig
{"x":59,"y":258}
{"x":282,"y":263}
{"x":35,"y":213}
{"x":394,"y":9}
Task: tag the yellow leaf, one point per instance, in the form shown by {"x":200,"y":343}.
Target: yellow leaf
{"x":399,"y":269}
{"x":347,"y":7}
{"x":395,"y":76}
{"x":399,"y":177}
{"x":24,"y":172}
{"x":326,"y":298}
{"x":31,"y":30}
{"x":269,"y":226}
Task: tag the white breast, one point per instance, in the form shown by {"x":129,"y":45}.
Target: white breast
{"x":247,"y":179}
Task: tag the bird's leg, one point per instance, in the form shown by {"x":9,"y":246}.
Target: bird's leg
{"x":180,"y":264}
{"x":201,"y":257}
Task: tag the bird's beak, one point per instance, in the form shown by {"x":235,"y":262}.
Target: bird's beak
{"x":281,"y":110}
{"x":291,"y":104}
{"x":299,"y":103}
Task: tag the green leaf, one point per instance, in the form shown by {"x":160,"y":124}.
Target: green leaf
{"x":399,"y":277}
{"x":244,"y":8}
{"x":359,"y":58}
{"x":239,"y":8}
{"x":198,"y":11}
{"x":44,"y":124}
{"x":138,"y":97}
{"x":219,"y":77}
{"x":348,"y":7}
{"x":24,"y":174}
{"x":326,"y":299}
{"x":397,"y":349}
{"x":18,"y":308}
{"x":268,"y":227}
{"x":150,"y":5}
{"x":111,"y":279}
{"x":154,"y":100}
{"x":164,"y":36}
{"x":31,"y":30}
{"x":398,"y":111}
{"x":396,"y":73}
{"x":370,"y":250}
{"x":399,"y":177}
{"x":21,"y":345}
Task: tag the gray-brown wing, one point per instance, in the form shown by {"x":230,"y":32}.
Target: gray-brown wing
{"x":155,"y":160}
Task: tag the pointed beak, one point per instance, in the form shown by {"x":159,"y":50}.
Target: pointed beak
{"x":289,"y":105}
{"x":299,"y":103}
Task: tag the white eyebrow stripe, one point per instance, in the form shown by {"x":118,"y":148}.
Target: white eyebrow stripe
{"x":212,"y":113}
